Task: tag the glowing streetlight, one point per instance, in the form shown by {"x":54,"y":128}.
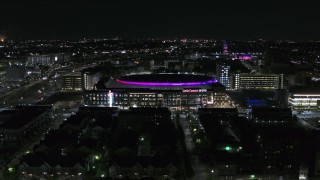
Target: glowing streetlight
{"x":228,"y":148}
{"x":96,"y":157}
{"x":11,"y":169}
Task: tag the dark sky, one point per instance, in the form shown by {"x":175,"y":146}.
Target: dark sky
{"x":223,"y":19}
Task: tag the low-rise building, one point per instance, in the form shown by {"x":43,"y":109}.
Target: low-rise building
{"x":270,"y":115}
{"x":48,"y":59}
{"x":257,"y":81}
{"x":304,"y":98}
{"x":17,"y":126}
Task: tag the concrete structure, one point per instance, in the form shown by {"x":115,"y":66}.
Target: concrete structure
{"x":257,"y":81}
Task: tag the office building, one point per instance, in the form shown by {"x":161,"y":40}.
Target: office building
{"x":257,"y":81}
{"x":223,"y":75}
{"x":47,"y":59}
{"x":304,"y":99}
{"x":89,"y":79}
{"x":72,"y":81}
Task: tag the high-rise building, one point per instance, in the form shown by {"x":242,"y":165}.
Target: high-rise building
{"x":90,"y":79}
{"x":223,"y":75}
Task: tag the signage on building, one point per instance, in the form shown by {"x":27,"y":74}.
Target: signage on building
{"x":193,"y":90}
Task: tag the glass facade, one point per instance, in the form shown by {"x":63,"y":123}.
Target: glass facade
{"x":173,"y":99}
{"x":223,"y":75}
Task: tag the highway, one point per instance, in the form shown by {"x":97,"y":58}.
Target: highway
{"x":32,"y":93}
{"x":27,"y":95}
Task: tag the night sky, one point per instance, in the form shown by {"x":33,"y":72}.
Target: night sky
{"x":224,"y":19}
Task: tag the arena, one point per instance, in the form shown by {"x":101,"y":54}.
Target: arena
{"x":175,"y":91}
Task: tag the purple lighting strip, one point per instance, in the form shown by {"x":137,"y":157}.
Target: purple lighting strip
{"x":167,"y":84}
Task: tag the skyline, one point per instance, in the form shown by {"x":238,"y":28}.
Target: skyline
{"x":231,"y":19}
{"x":159,"y":109}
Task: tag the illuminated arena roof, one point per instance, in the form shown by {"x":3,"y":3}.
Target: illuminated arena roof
{"x":166,"y":80}
{"x":163,"y":82}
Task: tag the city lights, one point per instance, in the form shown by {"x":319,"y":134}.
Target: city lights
{"x":77,"y":105}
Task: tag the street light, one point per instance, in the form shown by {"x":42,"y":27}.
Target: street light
{"x":11,"y":169}
{"x":228,"y":148}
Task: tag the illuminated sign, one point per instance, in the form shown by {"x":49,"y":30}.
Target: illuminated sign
{"x":194,"y":90}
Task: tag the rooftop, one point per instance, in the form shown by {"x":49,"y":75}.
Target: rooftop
{"x":163,"y":81}
{"x":166,"y":78}
{"x":73,"y":74}
{"x":305,"y":89}
{"x":16,"y":119}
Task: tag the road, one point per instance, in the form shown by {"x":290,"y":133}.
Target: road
{"x":33,"y":92}
{"x":307,"y":115}
{"x":28,"y":94}
{"x":304,"y":117}
{"x":201,"y":170}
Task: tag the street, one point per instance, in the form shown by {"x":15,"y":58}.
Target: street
{"x":201,"y":170}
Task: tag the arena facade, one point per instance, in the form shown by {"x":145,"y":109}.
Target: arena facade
{"x":175,"y":91}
